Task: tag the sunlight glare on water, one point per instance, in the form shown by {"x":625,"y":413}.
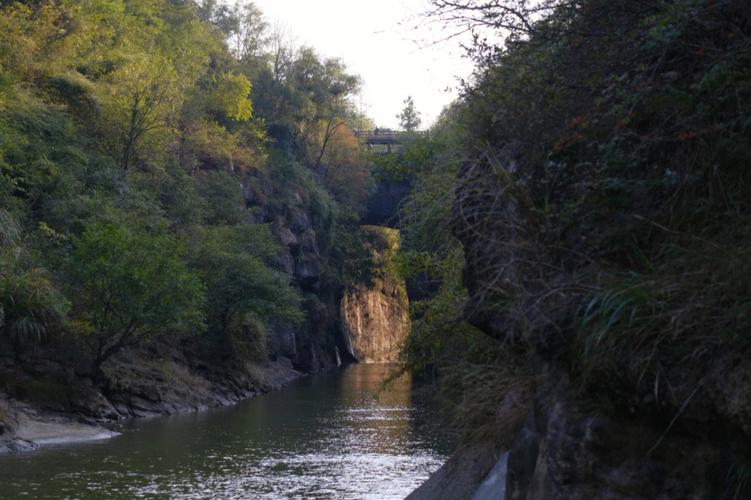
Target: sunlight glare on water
{"x":333,"y":436}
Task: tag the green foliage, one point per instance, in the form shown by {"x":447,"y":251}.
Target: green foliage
{"x":352,"y":261}
{"x":242,"y":23}
{"x":438,"y":328}
{"x":470,"y":371}
{"x":130,"y":285}
{"x":179,"y":195}
{"x":134,"y":135}
{"x":302,"y":98}
{"x":297,"y":187}
{"x":635,"y":165}
{"x":247,"y":338}
{"x":409,"y":118}
{"x":240,"y":286}
{"x":41,"y":159}
{"x":137,"y":102}
{"x":424,"y":156}
{"x":603,"y":197}
{"x":404,"y":164}
{"x":10,"y":232}
{"x":231,"y":97}
{"x":223,"y":198}
{"x":31,"y":307}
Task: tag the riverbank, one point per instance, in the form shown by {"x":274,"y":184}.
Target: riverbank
{"x":29,"y":428}
{"x":40,"y":407}
{"x":327,"y":436}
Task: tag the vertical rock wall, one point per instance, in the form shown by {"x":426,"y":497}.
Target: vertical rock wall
{"x":372,"y":320}
{"x":375,"y":316}
{"x":311,"y":346}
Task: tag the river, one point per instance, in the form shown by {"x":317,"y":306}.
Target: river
{"x":330,"y":436}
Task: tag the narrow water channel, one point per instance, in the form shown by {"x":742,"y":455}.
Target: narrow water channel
{"x":332,"y":436}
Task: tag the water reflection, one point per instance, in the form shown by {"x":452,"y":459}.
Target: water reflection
{"x":335,"y":436}
{"x":379,"y":418}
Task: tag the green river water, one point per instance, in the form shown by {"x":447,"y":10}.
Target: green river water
{"x":331,"y":436}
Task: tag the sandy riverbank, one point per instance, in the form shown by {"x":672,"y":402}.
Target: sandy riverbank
{"x":25,"y":427}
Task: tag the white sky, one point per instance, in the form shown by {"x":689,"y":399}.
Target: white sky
{"x":386,"y":42}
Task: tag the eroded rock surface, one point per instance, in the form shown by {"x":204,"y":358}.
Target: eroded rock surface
{"x":45,"y":408}
{"x":377,"y":322}
{"x":375,"y":317}
{"x":686,"y":438}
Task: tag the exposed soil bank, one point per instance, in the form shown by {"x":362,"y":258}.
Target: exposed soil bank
{"x":39,"y":408}
{"x":32,"y":428}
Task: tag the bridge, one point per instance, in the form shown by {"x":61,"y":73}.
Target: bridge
{"x":385,"y":137}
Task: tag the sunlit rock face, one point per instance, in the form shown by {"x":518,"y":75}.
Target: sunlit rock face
{"x":375,"y":318}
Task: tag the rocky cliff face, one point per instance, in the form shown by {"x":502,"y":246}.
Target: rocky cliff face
{"x":563,"y":438}
{"x":565,"y":449}
{"x":375,"y":317}
{"x":166,"y":377}
{"x":383,"y":204}
{"x":554,"y":444}
{"x":376,"y":321}
{"x":312,"y":346}
{"x":45,"y":399}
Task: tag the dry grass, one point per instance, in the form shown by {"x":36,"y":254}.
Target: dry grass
{"x":646,"y":327}
{"x":487,"y":402}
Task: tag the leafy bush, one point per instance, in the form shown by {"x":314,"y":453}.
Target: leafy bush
{"x":603,"y":211}
{"x":223,"y":198}
{"x":130,"y":285}
{"x":31,"y":307}
{"x":242,"y":290}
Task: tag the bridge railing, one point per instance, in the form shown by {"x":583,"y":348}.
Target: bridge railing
{"x":377,"y":136}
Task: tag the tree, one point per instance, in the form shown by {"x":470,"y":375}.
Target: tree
{"x":489,"y":22}
{"x":223,"y":199}
{"x":242,"y":288}
{"x":242,"y":25}
{"x":325,"y":88}
{"x":230,"y":97}
{"x":144,"y":57}
{"x":347,"y":174}
{"x":130,"y":285}
{"x":305,"y":99}
{"x":409,"y":118}
{"x":251,"y":35}
{"x":140,"y":98}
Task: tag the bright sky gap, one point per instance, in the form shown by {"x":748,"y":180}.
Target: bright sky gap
{"x":388,"y":43}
